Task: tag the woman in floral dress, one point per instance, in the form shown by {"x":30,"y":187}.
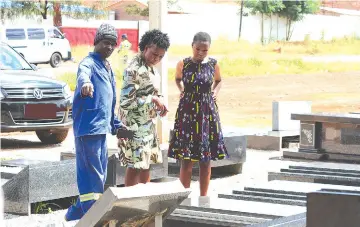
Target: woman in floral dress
{"x":197,"y":135}
{"x":140,"y":103}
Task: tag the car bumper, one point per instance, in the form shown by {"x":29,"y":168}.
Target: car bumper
{"x":21,"y":128}
{"x":13,"y":118}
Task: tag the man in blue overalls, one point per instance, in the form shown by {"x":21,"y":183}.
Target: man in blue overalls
{"x":93,"y":114}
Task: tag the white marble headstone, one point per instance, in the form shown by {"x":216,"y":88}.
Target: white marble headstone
{"x":281,"y":114}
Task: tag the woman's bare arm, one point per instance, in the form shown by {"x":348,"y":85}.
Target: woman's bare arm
{"x":178,"y":76}
{"x":217,"y":82}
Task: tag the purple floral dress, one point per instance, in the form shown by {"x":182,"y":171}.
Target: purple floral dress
{"x":197,"y":134}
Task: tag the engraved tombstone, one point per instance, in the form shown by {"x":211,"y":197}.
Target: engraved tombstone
{"x":307,"y":135}
{"x":139,"y":205}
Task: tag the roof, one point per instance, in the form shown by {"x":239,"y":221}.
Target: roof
{"x":342,"y":11}
{"x":173,"y":9}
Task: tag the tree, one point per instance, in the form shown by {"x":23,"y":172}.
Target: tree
{"x":11,"y":9}
{"x":295,"y":11}
{"x":265,"y":8}
{"x":133,"y":9}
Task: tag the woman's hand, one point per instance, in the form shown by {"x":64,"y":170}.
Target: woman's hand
{"x":214,"y":95}
{"x":160,"y":107}
{"x":181,"y":94}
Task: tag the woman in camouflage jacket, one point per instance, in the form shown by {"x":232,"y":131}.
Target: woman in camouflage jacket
{"x":140,"y":103}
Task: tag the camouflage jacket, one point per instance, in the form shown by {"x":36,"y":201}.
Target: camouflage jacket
{"x":140,"y":84}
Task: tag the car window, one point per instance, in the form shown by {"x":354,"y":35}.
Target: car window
{"x":15,"y":34}
{"x":36,"y":33}
{"x":57,"y":34}
{"x":54,"y":33}
{"x":11,"y":60}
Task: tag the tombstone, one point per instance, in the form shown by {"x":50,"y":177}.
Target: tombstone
{"x":37,"y":182}
{"x":139,"y":205}
{"x":328,"y":136}
{"x":333,"y":209}
{"x":116,"y":173}
{"x":281,"y":115}
{"x":235,"y":143}
{"x":284,"y":129}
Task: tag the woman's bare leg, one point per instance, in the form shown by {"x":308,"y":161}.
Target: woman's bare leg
{"x":144,"y":176}
{"x":186,"y":172}
{"x":205,"y":175}
{"x":131,"y":177}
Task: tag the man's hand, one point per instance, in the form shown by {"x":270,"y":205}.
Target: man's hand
{"x":87,"y":90}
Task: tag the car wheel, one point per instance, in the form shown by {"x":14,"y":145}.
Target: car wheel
{"x":55,"y":60}
{"x":48,"y":137}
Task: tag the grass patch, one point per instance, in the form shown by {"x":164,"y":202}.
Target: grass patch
{"x":259,"y":66}
{"x":244,"y":58}
{"x":348,"y":45}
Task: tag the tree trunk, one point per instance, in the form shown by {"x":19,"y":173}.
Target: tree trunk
{"x":288,"y":29}
{"x":45,"y":9}
{"x":269,"y":39}
{"x":241,"y":16}
{"x":262,"y":28}
{"x":57,"y":18}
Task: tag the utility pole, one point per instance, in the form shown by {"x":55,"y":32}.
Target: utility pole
{"x":157,"y":18}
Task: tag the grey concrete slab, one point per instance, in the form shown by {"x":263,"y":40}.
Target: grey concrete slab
{"x":255,"y":208}
{"x":298,"y":220}
{"x":315,"y":178}
{"x":328,"y":117}
{"x":135,"y":206}
{"x":300,"y":188}
{"x":21,"y":162}
{"x":328,"y":209}
{"x":39,"y":182}
{"x":334,"y":157}
{"x":185,"y":217}
{"x":264,"y":199}
{"x":272,"y":194}
{"x":264,"y":142}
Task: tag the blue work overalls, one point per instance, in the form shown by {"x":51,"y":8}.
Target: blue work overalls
{"x":93,"y":119}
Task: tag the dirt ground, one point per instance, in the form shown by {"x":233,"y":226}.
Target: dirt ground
{"x":247,"y":101}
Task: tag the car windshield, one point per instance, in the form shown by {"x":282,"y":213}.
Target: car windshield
{"x":11,"y":60}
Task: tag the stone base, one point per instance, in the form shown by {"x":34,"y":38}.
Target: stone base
{"x":319,"y":156}
{"x":269,"y":143}
{"x":273,"y":141}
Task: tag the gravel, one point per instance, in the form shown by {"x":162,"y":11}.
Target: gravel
{"x":54,"y":219}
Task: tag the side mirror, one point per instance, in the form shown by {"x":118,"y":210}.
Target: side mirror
{"x":34,"y":67}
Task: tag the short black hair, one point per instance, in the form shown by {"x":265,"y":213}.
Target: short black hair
{"x":201,"y":37}
{"x":156,"y":37}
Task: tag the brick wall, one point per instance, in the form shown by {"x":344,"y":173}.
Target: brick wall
{"x":339,"y":4}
